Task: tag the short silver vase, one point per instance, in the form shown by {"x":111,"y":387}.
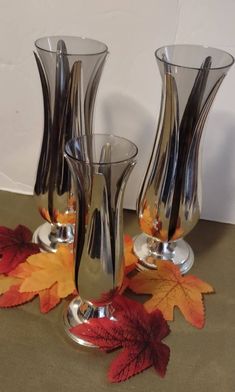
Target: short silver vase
{"x":70,"y":69}
{"x":100,"y":165}
{"x":169,"y":202}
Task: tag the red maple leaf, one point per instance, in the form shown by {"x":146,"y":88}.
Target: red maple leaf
{"x":15,"y":247}
{"x":137,"y":331}
{"x":14,"y":298}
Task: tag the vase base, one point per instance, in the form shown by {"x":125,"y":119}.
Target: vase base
{"x":149,"y":250}
{"x":49,"y":242}
{"x":79,"y":312}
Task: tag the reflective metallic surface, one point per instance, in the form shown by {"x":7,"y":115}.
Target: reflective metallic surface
{"x":78,"y":312}
{"x":169,"y":201}
{"x":70,"y":69}
{"x":149,"y":250}
{"x":100,"y":165}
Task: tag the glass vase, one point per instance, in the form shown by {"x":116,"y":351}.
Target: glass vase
{"x":169,"y":202}
{"x":100,"y":165}
{"x":70,"y":69}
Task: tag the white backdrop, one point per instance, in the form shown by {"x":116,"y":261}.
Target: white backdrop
{"x":129,"y":93}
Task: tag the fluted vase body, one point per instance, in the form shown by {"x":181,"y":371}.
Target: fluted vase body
{"x":100,"y":165}
{"x":169,"y":203}
{"x":70,"y":70}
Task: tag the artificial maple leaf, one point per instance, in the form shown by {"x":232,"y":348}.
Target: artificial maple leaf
{"x":15,"y":247}
{"x":13,"y":297}
{"x":23,"y":270}
{"x":48,"y":269}
{"x":6,"y":282}
{"x":130,"y":258}
{"x":137,"y":331}
{"x":169,"y":289}
{"x":49,"y":275}
{"x":49,"y":298}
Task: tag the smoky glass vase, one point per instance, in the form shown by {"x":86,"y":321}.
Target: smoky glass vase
{"x":100,"y":165}
{"x":70,"y":69}
{"x":169,"y":202}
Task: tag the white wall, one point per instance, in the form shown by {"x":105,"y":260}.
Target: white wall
{"x":129,"y":93}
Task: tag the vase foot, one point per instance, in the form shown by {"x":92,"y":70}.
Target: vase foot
{"x":49,"y":241}
{"x":149,"y":250}
{"x":79,"y":312}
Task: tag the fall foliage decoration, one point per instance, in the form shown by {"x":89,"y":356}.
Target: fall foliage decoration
{"x":170,"y":289}
{"x":138,"y":332}
{"x":13,"y":297}
{"x":26,"y":273}
{"x":48,"y":275}
{"x":6,"y":282}
{"x":15,"y":247}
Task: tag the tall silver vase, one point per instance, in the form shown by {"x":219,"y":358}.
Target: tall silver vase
{"x":70,"y":69}
{"x":169,"y":202}
{"x":101,"y":165}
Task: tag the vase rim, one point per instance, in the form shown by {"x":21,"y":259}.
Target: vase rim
{"x":103,"y":48}
{"x":108,"y":136}
{"x":209,"y":48}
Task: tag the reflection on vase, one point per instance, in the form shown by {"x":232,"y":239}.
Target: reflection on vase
{"x":169,"y":201}
{"x":70,"y":69}
{"x":100,"y":165}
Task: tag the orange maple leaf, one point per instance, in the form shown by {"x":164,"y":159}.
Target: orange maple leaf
{"x":6,"y":282}
{"x":13,"y":297}
{"x":48,"y":269}
{"x":49,"y":298}
{"x":49,"y":275}
{"x":169,"y":289}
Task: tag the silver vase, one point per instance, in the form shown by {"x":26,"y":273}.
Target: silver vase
{"x":169,"y":203}
{"x":70,"y":69}
{"x":100,"y":165}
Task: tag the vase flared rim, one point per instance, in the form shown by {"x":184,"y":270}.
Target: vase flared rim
{"x":208,"y":48}
{"x":100,"y":51}
{"x":110,"y":136}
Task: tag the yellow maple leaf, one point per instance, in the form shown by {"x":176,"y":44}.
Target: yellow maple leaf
{"x":46,"y":269}
{"x":6,"y":282}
